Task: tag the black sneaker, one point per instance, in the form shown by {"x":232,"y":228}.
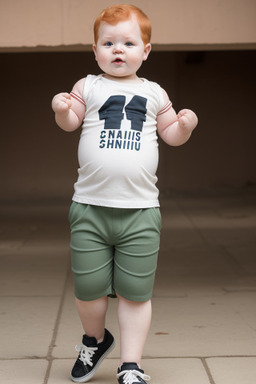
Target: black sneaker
{"x":130,"y":373}
{"x":91,"y":355}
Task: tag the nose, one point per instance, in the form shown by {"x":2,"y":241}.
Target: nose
{"x":118,"y":49}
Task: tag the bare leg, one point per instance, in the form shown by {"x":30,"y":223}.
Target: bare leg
{"x":93,"y":315}
{"x":134,"y":323}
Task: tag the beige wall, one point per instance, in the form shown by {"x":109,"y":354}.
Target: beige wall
{"x":177,"y":24}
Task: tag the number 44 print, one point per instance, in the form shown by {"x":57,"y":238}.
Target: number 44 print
{"x":112,"y":112}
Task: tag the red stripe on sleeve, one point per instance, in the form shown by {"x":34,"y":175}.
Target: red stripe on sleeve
{"x":166,"y":108}
{"x":78,"y":98}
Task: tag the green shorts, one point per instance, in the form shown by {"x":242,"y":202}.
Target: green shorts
{"x":114,"y":250}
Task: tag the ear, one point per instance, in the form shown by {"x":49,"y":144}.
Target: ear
{"x":147,"y":50}
{"x":95,"y":51}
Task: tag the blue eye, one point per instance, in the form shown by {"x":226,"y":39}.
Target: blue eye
{"x":129,"y":44}
{"x":108,"y":44}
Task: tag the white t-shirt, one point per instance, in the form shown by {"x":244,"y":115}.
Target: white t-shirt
{"x":118,"y":147}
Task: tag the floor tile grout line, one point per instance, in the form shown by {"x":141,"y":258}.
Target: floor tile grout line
{"x":28,"y":296}
{"x":207,"y":369}
{"x":49,"y":356}
{"x":144,"y":357}
{"x":196,"y":357}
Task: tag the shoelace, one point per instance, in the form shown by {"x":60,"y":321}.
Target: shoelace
{"x":86,"y":353}
{"x":131,"y":376}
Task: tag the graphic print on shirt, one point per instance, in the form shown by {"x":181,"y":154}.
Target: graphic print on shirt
{"x":113,"y":112}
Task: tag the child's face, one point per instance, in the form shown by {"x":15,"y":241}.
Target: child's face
{"x":120,"y":50}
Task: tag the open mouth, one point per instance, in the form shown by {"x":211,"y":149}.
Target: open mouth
{"x":118,"y":61}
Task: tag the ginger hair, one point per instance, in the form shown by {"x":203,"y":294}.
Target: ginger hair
{"x":122,"y":12}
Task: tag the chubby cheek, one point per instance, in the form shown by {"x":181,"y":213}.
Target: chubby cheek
{"x":135,"y":60}
{"x":101,"y":58}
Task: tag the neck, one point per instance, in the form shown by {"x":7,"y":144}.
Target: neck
{"x":124,"y":79}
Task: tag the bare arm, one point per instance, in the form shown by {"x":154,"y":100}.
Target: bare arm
{"x":69,"y":111}
{"x":176,"y":129}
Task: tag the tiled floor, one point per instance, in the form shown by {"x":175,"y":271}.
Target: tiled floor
{"x":204,"y":306}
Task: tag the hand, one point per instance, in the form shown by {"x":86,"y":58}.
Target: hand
{"x":187,"y":120}
{"x":61,"y":103}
